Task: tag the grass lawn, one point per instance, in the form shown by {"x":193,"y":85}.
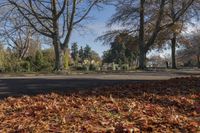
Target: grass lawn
{"x":156,"y":106}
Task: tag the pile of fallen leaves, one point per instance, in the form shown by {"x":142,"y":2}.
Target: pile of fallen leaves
{"x":156,"y":106}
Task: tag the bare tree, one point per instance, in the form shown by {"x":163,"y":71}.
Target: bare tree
{"x":146,"y":19}
{"x":16,"y":32}
{"x":190,"y":9}
{"x":192,"y":50}
{"x":54,"y":19}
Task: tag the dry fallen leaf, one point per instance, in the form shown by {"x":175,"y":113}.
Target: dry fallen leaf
{"x":156,"y":106}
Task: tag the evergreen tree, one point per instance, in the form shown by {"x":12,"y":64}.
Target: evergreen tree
{"x":75,"y":52}
{"x":81,"y":54}
{"x":123,"y":50}
{"x":88,"y":52}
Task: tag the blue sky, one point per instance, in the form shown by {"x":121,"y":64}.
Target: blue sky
{"x":95,"y":28}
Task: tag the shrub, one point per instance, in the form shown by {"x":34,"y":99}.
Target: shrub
{"x":92,"y":67}
{"x":125,"y":67}
{"x":86,"y":67}
{"x":39,"y":60}
{"x":25,"y":66}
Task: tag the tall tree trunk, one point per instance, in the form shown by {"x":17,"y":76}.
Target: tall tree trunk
{"x":144,"y":46}
{"x":142,"y":55}
{"x":142,"y":59}
{"x":167,"y":64}
{"x":173,"y":51}
{"x":198,"y":61}
{"x":59,"y":53}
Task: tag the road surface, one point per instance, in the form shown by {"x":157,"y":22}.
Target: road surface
{"x":32,"y":85}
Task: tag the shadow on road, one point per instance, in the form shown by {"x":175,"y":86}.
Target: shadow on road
{"x":23,"y":86}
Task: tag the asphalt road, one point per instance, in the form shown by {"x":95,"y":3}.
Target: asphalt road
{"x":32,"y":85}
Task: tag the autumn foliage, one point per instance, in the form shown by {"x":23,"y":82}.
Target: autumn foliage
{"x":154,"y":106}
